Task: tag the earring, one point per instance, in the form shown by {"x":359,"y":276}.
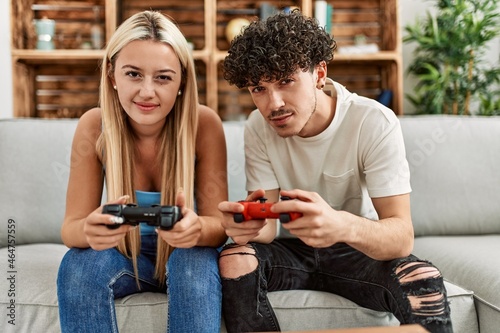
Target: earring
{"x":114,"y":87}
{"x":179,"y":93}
{"x":320,"y":87}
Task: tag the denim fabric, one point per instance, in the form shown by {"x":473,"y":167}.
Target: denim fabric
{"x":289,"y":264}
{"x":89,"y":281}
{"x":194,"y":291}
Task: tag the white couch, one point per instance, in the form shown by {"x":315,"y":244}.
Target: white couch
{"x":456,"y":180}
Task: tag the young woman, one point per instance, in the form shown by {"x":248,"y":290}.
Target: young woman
{"x":149,"y":142}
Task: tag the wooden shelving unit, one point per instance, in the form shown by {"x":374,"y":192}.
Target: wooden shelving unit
{"x":64,"y":82}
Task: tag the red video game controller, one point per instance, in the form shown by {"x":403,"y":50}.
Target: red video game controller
{"x":262,"y":210}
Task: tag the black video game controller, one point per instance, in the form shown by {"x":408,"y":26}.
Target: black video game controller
{"x":160,"y":216}
{"x":262,"y":210}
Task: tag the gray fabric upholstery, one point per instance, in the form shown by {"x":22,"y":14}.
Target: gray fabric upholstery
{"x":233,"y":131}
{"x":478,"y":269}
{"x":34,"y":165}
{"x":454,"y":165}
{"x":36,"y":302}
{"x":34,"y":169}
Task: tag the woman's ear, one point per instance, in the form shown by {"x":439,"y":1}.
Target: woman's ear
{"x":111,"y":75}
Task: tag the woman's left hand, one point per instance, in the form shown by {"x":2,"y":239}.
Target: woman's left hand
{"x":187,"y":231}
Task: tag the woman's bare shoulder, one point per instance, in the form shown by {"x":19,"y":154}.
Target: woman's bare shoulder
{"x":208,"y":118}
{"x":89,"y":125}
{"x":92,"y":116}
{"x":210,"y":129}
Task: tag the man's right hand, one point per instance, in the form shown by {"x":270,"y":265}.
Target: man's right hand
{"x":262,"y":231}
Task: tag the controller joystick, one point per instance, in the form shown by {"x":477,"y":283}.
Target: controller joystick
{"x":163,"y":217}
{"x":262,"y":210}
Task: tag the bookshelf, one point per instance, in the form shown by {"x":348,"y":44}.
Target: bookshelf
{"x":64,"y":82}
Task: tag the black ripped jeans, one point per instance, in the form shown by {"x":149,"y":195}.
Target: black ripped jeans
{"x":289,"y":264}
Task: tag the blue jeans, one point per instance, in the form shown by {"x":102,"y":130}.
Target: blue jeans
{"x":289,"y":264}
{"x":89,"y":281}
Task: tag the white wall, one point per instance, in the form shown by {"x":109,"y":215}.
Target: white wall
{"x":5,"y":62}
{"x":409,"y":9}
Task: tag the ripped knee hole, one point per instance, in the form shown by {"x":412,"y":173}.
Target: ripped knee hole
{"x":429,"y":305}
{"x":236,"y":261}
{"x":416,"y":271}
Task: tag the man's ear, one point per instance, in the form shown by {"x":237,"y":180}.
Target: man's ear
{"x":321,"y":74}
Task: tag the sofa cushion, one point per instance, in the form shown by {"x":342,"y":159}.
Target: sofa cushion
{"x":36,"y":302}
{"x":319,"y":310}
{"x":454,"y":173}
{"x":34,"y":175}
{"x":233,"y":131}
{"x":35,"y":297}
{"x":472,"y":262}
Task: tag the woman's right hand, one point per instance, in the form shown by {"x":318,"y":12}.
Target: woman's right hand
{"x":96,"y":230}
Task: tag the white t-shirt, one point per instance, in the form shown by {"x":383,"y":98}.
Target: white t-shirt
{"x":361,"y":155}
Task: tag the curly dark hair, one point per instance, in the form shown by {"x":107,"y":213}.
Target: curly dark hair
{"x":274,"y":49}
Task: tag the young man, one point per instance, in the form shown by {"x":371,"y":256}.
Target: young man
{"x":341,"y":159}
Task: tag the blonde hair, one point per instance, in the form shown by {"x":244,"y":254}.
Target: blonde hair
{"x":177,"y":144}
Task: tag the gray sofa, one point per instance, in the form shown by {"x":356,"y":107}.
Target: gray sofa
{"x":456,"y":212}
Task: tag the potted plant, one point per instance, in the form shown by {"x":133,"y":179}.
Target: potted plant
{"x":449,"y":58}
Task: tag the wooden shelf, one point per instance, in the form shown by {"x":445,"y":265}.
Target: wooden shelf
{"x":38,"y":56}
{"x":203,"y":22}
{"x":379,"y":56}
